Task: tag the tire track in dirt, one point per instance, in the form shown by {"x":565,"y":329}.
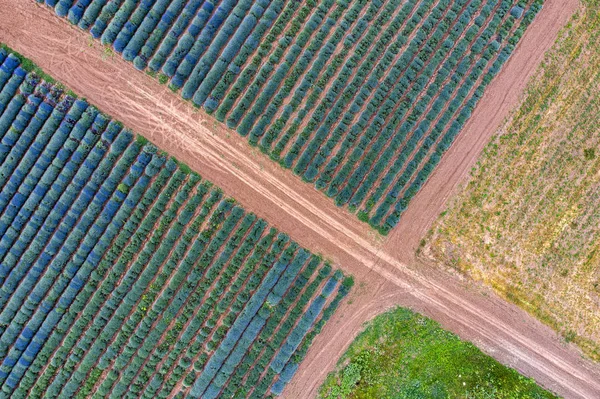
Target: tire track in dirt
{"x":381,"y":267}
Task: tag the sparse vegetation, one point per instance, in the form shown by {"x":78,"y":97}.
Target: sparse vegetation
{"x":527,"y":221}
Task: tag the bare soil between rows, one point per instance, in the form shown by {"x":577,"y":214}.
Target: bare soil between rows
{"x":385,"y":270}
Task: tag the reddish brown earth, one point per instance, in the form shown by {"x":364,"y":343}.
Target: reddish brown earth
{"x":380,"y":266}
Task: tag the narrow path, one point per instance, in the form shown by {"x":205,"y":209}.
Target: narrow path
{"x":383,"y":278}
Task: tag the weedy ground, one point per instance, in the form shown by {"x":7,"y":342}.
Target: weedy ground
{"x":402,"y":354}
{"x":527,"y":222}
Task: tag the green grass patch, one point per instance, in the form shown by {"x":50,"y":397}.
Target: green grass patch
{"x":141,"y":140}
{"x":402,"y":354}
{"x":163,"y":79}
{"x":184,"y":167}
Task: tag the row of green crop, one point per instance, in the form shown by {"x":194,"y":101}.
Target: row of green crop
{"x":330,"y":89}
{"x":413,"y":101}
{"x":121,"y":273}
{"x":442,"y":127}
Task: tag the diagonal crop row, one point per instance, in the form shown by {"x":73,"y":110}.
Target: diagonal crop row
{"x":334,"y":90}
{"x":123,"y":274}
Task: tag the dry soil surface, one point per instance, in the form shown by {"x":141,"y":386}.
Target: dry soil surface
{"x":385,"y":270}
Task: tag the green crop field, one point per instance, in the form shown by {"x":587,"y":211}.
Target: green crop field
{"x":124,"y":275}
{"x":360,"y":98}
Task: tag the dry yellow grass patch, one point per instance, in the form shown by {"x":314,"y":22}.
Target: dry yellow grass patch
{"x":528,"y":221}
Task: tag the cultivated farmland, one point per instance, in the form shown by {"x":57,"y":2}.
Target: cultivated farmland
{"x":123,"y":274}
{"x":361,"y":98}
{"x":506,"y":332}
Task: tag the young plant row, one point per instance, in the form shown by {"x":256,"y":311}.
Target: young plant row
{"x":334,"y":90}
{"x":124,"y":275}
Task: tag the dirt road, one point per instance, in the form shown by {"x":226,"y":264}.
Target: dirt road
{"x":380,"y":266}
